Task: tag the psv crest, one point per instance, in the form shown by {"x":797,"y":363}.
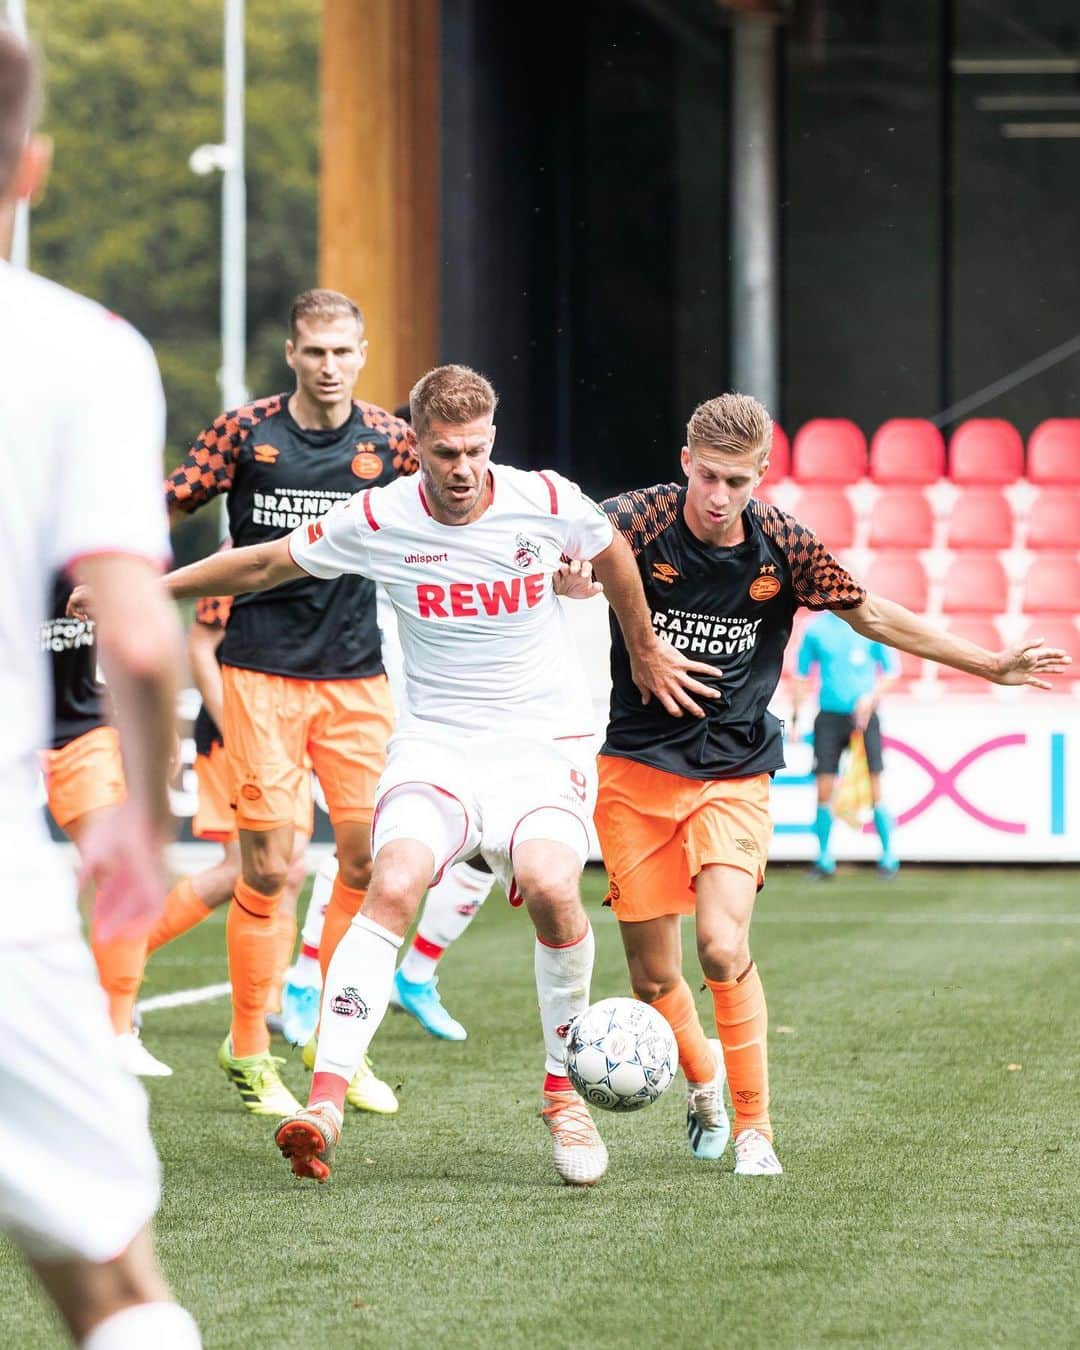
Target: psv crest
{"x":366,"y":464}
{"x":765,"y":585}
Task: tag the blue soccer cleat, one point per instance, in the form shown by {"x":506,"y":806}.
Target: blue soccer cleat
{"x":707,"y":1126}
{"x":299,"y":1011}
{"x":422,"y":1001}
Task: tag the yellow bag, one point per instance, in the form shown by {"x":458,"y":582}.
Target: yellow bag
{"x":854,"y":800}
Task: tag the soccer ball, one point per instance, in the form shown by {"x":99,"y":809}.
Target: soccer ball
{"x":620,"y":1054}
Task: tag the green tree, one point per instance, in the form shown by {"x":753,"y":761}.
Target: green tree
{"x":131,"y":89}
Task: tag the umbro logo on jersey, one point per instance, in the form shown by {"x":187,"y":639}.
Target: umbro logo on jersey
{"x":265,"y":454}
{"x":663,"y":571}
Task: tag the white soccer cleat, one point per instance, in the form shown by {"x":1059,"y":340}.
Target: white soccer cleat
{"x":136,"y":1059}
{"x":707,"y":1124}
{"x":579,"y":1153}
{"x":754,"y":1156}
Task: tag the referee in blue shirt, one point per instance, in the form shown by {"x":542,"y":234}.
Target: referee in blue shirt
{"x":854,"y":674}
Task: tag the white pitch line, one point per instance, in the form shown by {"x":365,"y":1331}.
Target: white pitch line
{"x":182,"y":997}
{"x":923,"y":920}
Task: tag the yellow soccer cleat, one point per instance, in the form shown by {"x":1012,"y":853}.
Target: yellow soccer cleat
{"x":257,"y":1080}
{"x":366,"y":1092}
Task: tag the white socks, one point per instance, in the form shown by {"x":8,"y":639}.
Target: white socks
{"x":306,"y":968}
{"x":448,"y":910}
{"x":563,"y":975}
{"x":355,"y":996}
{"x":165,"y":1326}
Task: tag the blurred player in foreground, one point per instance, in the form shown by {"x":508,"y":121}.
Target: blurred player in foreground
{"x":491,"y":755}
{"x":78,"y":1174}
{"x":683,"y":806}
{"x":855,"y":674}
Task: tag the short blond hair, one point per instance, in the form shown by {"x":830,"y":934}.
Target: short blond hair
{"x":732,"y":424}
{"x":453,"y":394}
{"x":18,"y":102}
{"x":322,"y":304}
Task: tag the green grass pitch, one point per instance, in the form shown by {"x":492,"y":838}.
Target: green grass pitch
{"x":924,"y":1060}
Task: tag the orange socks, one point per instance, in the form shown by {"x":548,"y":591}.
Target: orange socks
{"x":742,"y":1023}
{"x":120,"y":969}
{"x":695,"y":1054}
{"x":183,"y":910}
{"x":251,"y":937}
{"x":343,"y":907}
{"x":285,"y":938}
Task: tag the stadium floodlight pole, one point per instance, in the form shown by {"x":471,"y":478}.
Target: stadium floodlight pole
{"x":228,"y":157}
{"x":20,"y":241}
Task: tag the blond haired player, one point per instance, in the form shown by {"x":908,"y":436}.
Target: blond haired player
{"x":78,"y":1173}
{"x":490,"y":756}
{"x":683,"y":806}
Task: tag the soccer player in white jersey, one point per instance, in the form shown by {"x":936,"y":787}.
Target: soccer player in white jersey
{"x":78,"y":1173}
{"x":491,"y":756}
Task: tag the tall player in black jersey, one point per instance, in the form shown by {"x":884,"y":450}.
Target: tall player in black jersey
{"x":683,"y":806}
{"x":302,"y":672}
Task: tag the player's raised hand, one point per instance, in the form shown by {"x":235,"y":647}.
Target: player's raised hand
{"x":125,"y":859}
{"x":575,"y":580}
{"x":78,"y":605}
{"x":1029,"y":663}
{"x":661,"y":672}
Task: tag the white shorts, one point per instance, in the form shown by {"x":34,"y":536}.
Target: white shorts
{"x":78,"y":1173}
{"x":486,"y":796}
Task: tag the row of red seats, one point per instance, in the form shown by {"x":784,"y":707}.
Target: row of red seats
{"x":984,"y":450}
{"x":976,"y":583}
{"x":980,"y":517}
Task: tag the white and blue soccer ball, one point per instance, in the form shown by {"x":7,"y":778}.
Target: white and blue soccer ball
{"x":621,"y":1054}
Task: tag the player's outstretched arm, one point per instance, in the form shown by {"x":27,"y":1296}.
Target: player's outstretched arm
{"x":656,"y":667}
{"x":236,"y":571}
{"x":202,"y":644}
{"x":885,"y":621}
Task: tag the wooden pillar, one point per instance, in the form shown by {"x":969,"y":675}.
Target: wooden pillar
{"x":379,"y":181}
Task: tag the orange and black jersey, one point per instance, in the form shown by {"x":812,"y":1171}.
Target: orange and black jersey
{"x":731,"y":607}
{"x":212,"y":611}
{"x":278,"y":475}
{"x":78,"y":695}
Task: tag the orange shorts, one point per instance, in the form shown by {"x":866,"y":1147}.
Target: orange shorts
{"x":277,"y":729}
{"x":215,"y":818}
{"x":85,"y":775}
{"x":658,"y":830}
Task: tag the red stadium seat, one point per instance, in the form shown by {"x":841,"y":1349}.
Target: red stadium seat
{"x":907,"y":450}
{"x":1057,"y":630}
{"x":1054,"y":451}
{"x":900,"y":577}
{"x":829,"y":450}
{"x":1054,"y":521}
{"x":828,"y":513}
{"x":978,"y":628}
{"x":981,"y":517}
{"x":986,"y":450}
{"x":901,"y":518}
{"x":975,"y":583}
{"x":1052,"y":585}
{"x":779,"y":457}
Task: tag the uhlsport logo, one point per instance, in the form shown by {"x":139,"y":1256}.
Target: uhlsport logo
{"x":348,"y":1003}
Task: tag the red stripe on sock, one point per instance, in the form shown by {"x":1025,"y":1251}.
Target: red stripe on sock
{"x":429,"y":949}
{"x":307,"y":950}
{"x":328,"y":1087}
{"x":554,"y":1082}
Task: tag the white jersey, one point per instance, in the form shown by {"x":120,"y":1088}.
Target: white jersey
{"x":82,"y":424}
{"x":486,"y":647}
